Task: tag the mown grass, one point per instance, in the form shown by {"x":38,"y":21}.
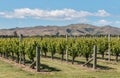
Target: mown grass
{"x":66,"y":70}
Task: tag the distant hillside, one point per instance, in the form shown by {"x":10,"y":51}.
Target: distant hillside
{"x":73,"y":29}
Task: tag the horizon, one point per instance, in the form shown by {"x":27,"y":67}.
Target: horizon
{"x":59,"y":13}
{"x":57,"y":26}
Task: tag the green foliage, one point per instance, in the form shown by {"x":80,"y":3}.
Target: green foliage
{"x":102,"y":46}
{"x":52,"y":48}
{"x":74,"y":51}
{"x":115,"y":48}
{"x":76,"y":47}
{"x":31,"y":50}
{"x":43,"y":46}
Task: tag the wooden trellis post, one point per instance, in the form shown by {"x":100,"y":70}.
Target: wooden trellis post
{"x":37,"y":59}
{"x":66,"y":48}
{"x":20,"y":40}
{"x":118,"y":37}
{"x":109,"y":51}
{"x":95,"y":57}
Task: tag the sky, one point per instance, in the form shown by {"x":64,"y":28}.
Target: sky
{"x":26,"y":13}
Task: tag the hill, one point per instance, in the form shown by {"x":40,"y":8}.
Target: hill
{"x":74,"y":29}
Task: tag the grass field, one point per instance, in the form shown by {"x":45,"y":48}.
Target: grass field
{"x":66,"y":70}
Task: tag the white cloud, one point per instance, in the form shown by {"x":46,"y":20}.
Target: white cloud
{"x":117,"y":22}
{"x":102,"y":13}
{"x":103,"y":22}
{"x":64,"y":14}
{"x":2,"y":13}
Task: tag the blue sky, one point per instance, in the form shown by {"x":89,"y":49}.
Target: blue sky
{"x":26,"y":13}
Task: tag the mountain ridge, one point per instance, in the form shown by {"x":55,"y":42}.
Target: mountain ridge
{"x":72,"y":29}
